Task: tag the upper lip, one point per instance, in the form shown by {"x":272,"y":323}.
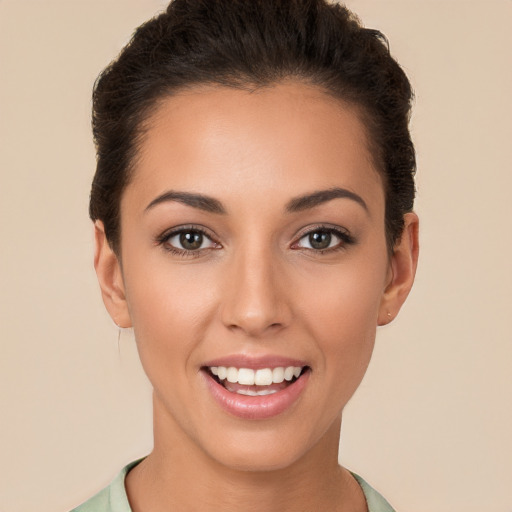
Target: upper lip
{"x":255,"y":362}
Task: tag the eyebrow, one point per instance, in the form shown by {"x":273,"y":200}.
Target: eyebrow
{"x":297,"y":204}
{"x":308,"y":201}
{"x":200,"y":201}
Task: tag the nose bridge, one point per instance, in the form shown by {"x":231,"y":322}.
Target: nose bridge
{"x":254,"y":301}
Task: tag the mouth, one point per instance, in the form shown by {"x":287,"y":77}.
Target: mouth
{"x":256,"y":394}
{"x":260,"y":382}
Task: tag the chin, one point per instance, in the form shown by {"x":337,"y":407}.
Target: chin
{"x":257,"y":461}
{"x":262,"y":450}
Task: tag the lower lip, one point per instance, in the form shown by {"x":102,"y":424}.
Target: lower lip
{"x":257,"y":407}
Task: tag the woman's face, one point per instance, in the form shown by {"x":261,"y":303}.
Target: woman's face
{"x":252,"y":237}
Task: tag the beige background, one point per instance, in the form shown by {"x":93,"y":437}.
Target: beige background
{"x":431,"y":424}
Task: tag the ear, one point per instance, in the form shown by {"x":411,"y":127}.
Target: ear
{"x":402,"y":270}
{"x":110,"y":277}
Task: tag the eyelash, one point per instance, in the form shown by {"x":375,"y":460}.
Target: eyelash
{"x":163,"y":240}
{"x":345,"y":238}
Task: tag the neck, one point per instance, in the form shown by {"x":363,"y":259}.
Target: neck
{"x":180,"y":475}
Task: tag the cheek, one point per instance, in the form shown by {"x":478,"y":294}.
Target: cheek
{"x":170,"y":308}
{"x":342,"y":318}
{"x":346,"y":298}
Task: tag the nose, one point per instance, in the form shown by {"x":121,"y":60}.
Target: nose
{"x":255,"y":301}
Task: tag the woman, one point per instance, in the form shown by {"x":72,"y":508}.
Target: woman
{"x":253,"y":222}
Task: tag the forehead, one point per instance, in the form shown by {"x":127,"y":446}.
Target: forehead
{"x":289,"y":137}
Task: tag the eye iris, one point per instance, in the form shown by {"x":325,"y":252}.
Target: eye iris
{"x":320,"y":239}
{"x":191,"y":240}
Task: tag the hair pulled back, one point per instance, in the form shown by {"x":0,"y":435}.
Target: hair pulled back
{"x":248,"y":44}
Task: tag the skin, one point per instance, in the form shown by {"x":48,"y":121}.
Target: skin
{"x":258,"y":288}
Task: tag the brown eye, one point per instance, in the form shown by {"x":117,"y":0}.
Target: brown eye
{"x":189,"y":240}
{"x":324,"y":239}
{"x":320,"y":240}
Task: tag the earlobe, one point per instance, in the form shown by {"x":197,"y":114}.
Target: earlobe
{"x":110,"y":278}
{"x":402,"y":270}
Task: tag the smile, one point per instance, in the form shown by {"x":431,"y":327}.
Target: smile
{"x":256,"y":393}
{"x":263,"y":377}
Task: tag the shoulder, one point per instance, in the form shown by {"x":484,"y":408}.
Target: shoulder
{"x":111,"y":499}
{"x":375,"y":502}
{"x":98,"y":503}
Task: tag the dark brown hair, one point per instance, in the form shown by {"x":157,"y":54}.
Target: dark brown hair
{"x":251,"y":44}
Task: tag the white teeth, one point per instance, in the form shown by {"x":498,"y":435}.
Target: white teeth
{"x":250,"y":392}
{"x":278,"y":375}
{"x":288,"y":373}
{"x":232,"y":374}
{"x":246,"y":376}
{"x":266,"y":392}
{"x":261,"y":377}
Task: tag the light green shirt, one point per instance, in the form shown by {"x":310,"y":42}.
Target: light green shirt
{"x":113,"y":498}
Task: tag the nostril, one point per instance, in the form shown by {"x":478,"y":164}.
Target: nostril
{"x":254,"y":326}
